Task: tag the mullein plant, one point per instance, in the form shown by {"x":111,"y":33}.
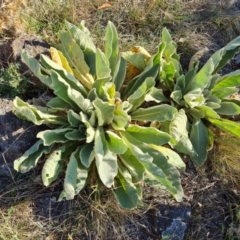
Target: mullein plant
{"x":105,"y":119}
{"x":203,"y":98}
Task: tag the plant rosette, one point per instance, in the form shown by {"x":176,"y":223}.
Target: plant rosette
{"x":202,"y":98}
{"x":100,"y":125}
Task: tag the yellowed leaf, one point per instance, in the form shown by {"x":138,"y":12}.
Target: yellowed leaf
{"x":139,"y":49}
{"x":58,"y":58}
{"x":132,"y":72}
{"x":55,"y":56}
{"x":104,"y":6}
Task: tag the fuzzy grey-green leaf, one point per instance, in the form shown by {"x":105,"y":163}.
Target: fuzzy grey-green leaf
{"x":156,"y":113}
{"x":148,"y":135}
{"x":30,"y":158}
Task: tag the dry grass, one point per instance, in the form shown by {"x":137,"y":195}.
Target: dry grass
{"x":31,"y":211}
{"x":137,"y":21}
{"x":214,"y":190}
{"x":225,"y":159}
{"x":10,"y":21}
{"x":17,"y":223}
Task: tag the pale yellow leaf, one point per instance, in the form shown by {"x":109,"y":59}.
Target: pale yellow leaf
{"x":58,"y":58}
{"x":142,"y":50}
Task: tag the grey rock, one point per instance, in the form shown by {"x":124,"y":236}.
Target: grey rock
{"x":176,"y":231}
{"x":170,"y":221}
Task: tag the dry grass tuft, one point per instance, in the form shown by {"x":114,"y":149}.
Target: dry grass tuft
{"x":17,"y":223}
{"x":225,"y":159}
{"x":28,"y":210}
{"x":10,"y":20}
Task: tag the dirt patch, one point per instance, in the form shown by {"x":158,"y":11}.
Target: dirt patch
{"x":16,"y":136}
{"x":213,"y":204}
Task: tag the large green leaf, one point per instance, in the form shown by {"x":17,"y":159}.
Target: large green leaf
{"x":104,"y":111}
{"x":215,"y":63}
{"x":110,"y":92}
{"x":215,"y":78}
{"x":167,"y":73}
{"x":177,"y":97}
{"x":133,"y":165}
{"x":74,"y":119}
{"x":54,"y":163}
{"x":156,"y":95}
{"x":228,"y":108}
{"x":120,"y":73}
{"x":189,"y":79}
{"x":70,"y":179}
{"x":30,"y":158}
{"x":161,"y":173}
{"x":97,"y":89}
{"x":36,"y":68}
{"x":106,"y":161}
{"x":68,"y":77}
{"x":87,"y":154}
{"x":103,"y":71}
{"x":135,"y":83}
{"x":203,"y":77}
{"x":54,"y":136}
{"x":75,"y":177}
{"x":35,"y":114}
{"x":196,"y":113}
{"x":58,"y":104}
{"x":223,"y":55}
{"x":83,"y":38}
{"x":64,"y":91}
{"x":156,"y":113}
{"x":148,"y":135}
{"x":121,"y":117}
{"x":213,"y":105}
{"x":185,"y":146}
{"x":135,"y":147}
{"x":90,"y":131}
{"x":170,"y":51}
{"x":158,"y":171}
{"x":226,"y":125}
{"x":224,"y":92}
{"x":208,"y":112}
{"x":76,"y":60}
{"x":194,"y":98}
{"x":180,"y":84}
{"x":136,"y":59}
{"x":157,"y":58}
{"x":124,"y":189}
{"x":178,"y":129}
{"x":229,"y":80}
{"x":111,"y":46}
{"x":138,"y":97}
{"x":200,"y":140}
{"x":76,"y":135}
{"x":81,"y":35}
{"x":114,"y":143}
{"x":233,"y":100}
{"x":173,"y":158}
